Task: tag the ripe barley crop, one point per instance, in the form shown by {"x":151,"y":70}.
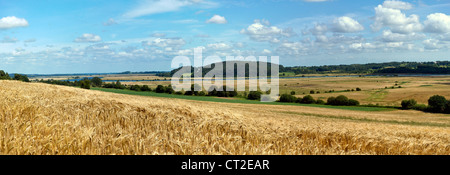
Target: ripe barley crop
{"x":46,"y":119}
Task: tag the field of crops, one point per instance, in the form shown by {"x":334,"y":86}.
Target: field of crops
{"x":38,"y":118}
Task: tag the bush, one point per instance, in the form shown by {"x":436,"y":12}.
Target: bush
{"x":254,"y":95}
{"x":179,"y":93}
{"x":287,"y":98}
{"x":308,"y":100}
{"x":118,"y":85}
{"x":201,"y":93}
{"x":341,"y":100}
{"x":331,"y":101}
{"x":292,"y":92}
{"x":408,"y":104}
{"x":169,"y":89}
{"x":437,"y":103}
{"x":358,"y":89}
{"x":420,"y":107}
{"x":160,"y":89}
{"x":320,"y":102}
{"x":145,"y":88}
{"x":312,"y":92}
{"x":353,"y":102}
{"x":298,"y":100}
{"x":135,"y":88}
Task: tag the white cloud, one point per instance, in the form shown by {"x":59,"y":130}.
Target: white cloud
{"x":315,"y":0}
{"x":167,"y":42}
{"x":388,"y":36}
{"x":158,"y":35}
{"x":8,"y":39}
{"x":149,"y":7}
{"x":394,"y":4}
{"x":431,"y":44}
{"x":12,"y":22}
{"x":346,"y":25}
{"x":265,"y":51}
{"x":437,"y":23}
{"x":217,"y":19}
{"x":88,"y":38}
{"x":110,"y":22}
{"x":396,"y":20}
{"x":261,"y":31}
{"x":219,"y":46}
{"x":30,"y":40}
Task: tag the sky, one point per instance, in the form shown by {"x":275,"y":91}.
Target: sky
{"x":101,"y":36}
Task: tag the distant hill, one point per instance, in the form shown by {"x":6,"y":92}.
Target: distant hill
{"x":210,"y":67}
{"x":439,"y":67}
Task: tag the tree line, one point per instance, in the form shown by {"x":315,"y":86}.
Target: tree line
{"x":5,"y":76}
{"x":436,"y":104}
{"x":439,"y":67}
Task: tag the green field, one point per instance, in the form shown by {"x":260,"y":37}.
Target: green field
{"x":236,"y":100}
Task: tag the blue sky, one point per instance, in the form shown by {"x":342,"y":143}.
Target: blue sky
{"x":78,"y":36}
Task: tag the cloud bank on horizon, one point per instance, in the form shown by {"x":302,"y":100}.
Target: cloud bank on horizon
{"x":113,"y":36}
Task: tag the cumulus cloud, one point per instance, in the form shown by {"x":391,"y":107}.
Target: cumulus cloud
{"x":217,"y":19}
{"x":262,"y":31}
{"x":396,"y":20}
{"x":388,"y":36}
{"x":437,"y":23}
{"x":12,"y":22}
{"x":394,"y":4}
{"x":346,"y":25}
{"x":431,"y":44}
{"x":88,"y":38}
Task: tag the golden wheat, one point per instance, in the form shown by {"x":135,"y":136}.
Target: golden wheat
{"x":47,"y":119}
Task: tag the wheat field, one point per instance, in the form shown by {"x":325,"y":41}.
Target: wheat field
{"x":41,"y":119}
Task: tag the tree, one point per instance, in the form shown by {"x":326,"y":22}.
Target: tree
{"x":287,"y":98}
{"x":292,"y":92}
{"x":254,"y":95}
{"x":20,"y":77}
{"x":437,"y":103}
{"x":447,"y":107}
{"x":308,"y":100}
{"x":169,"y":90}
{"x":160,"y":89}
{"x":4,"y":75}
{"x":145,"y":88}
{"x":408,"y":104}
{"x":353,"y":102}
{"x":312,"y":92}
{"x":135,"y":88}
{"x":85,"y":84}
{"x":96,"y":81}
{"x":341,"y":100}
{"x":320,"y":102}
{"x":331,"y":101}
{"x":358,"y":89}
{"x":118,"y":85}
